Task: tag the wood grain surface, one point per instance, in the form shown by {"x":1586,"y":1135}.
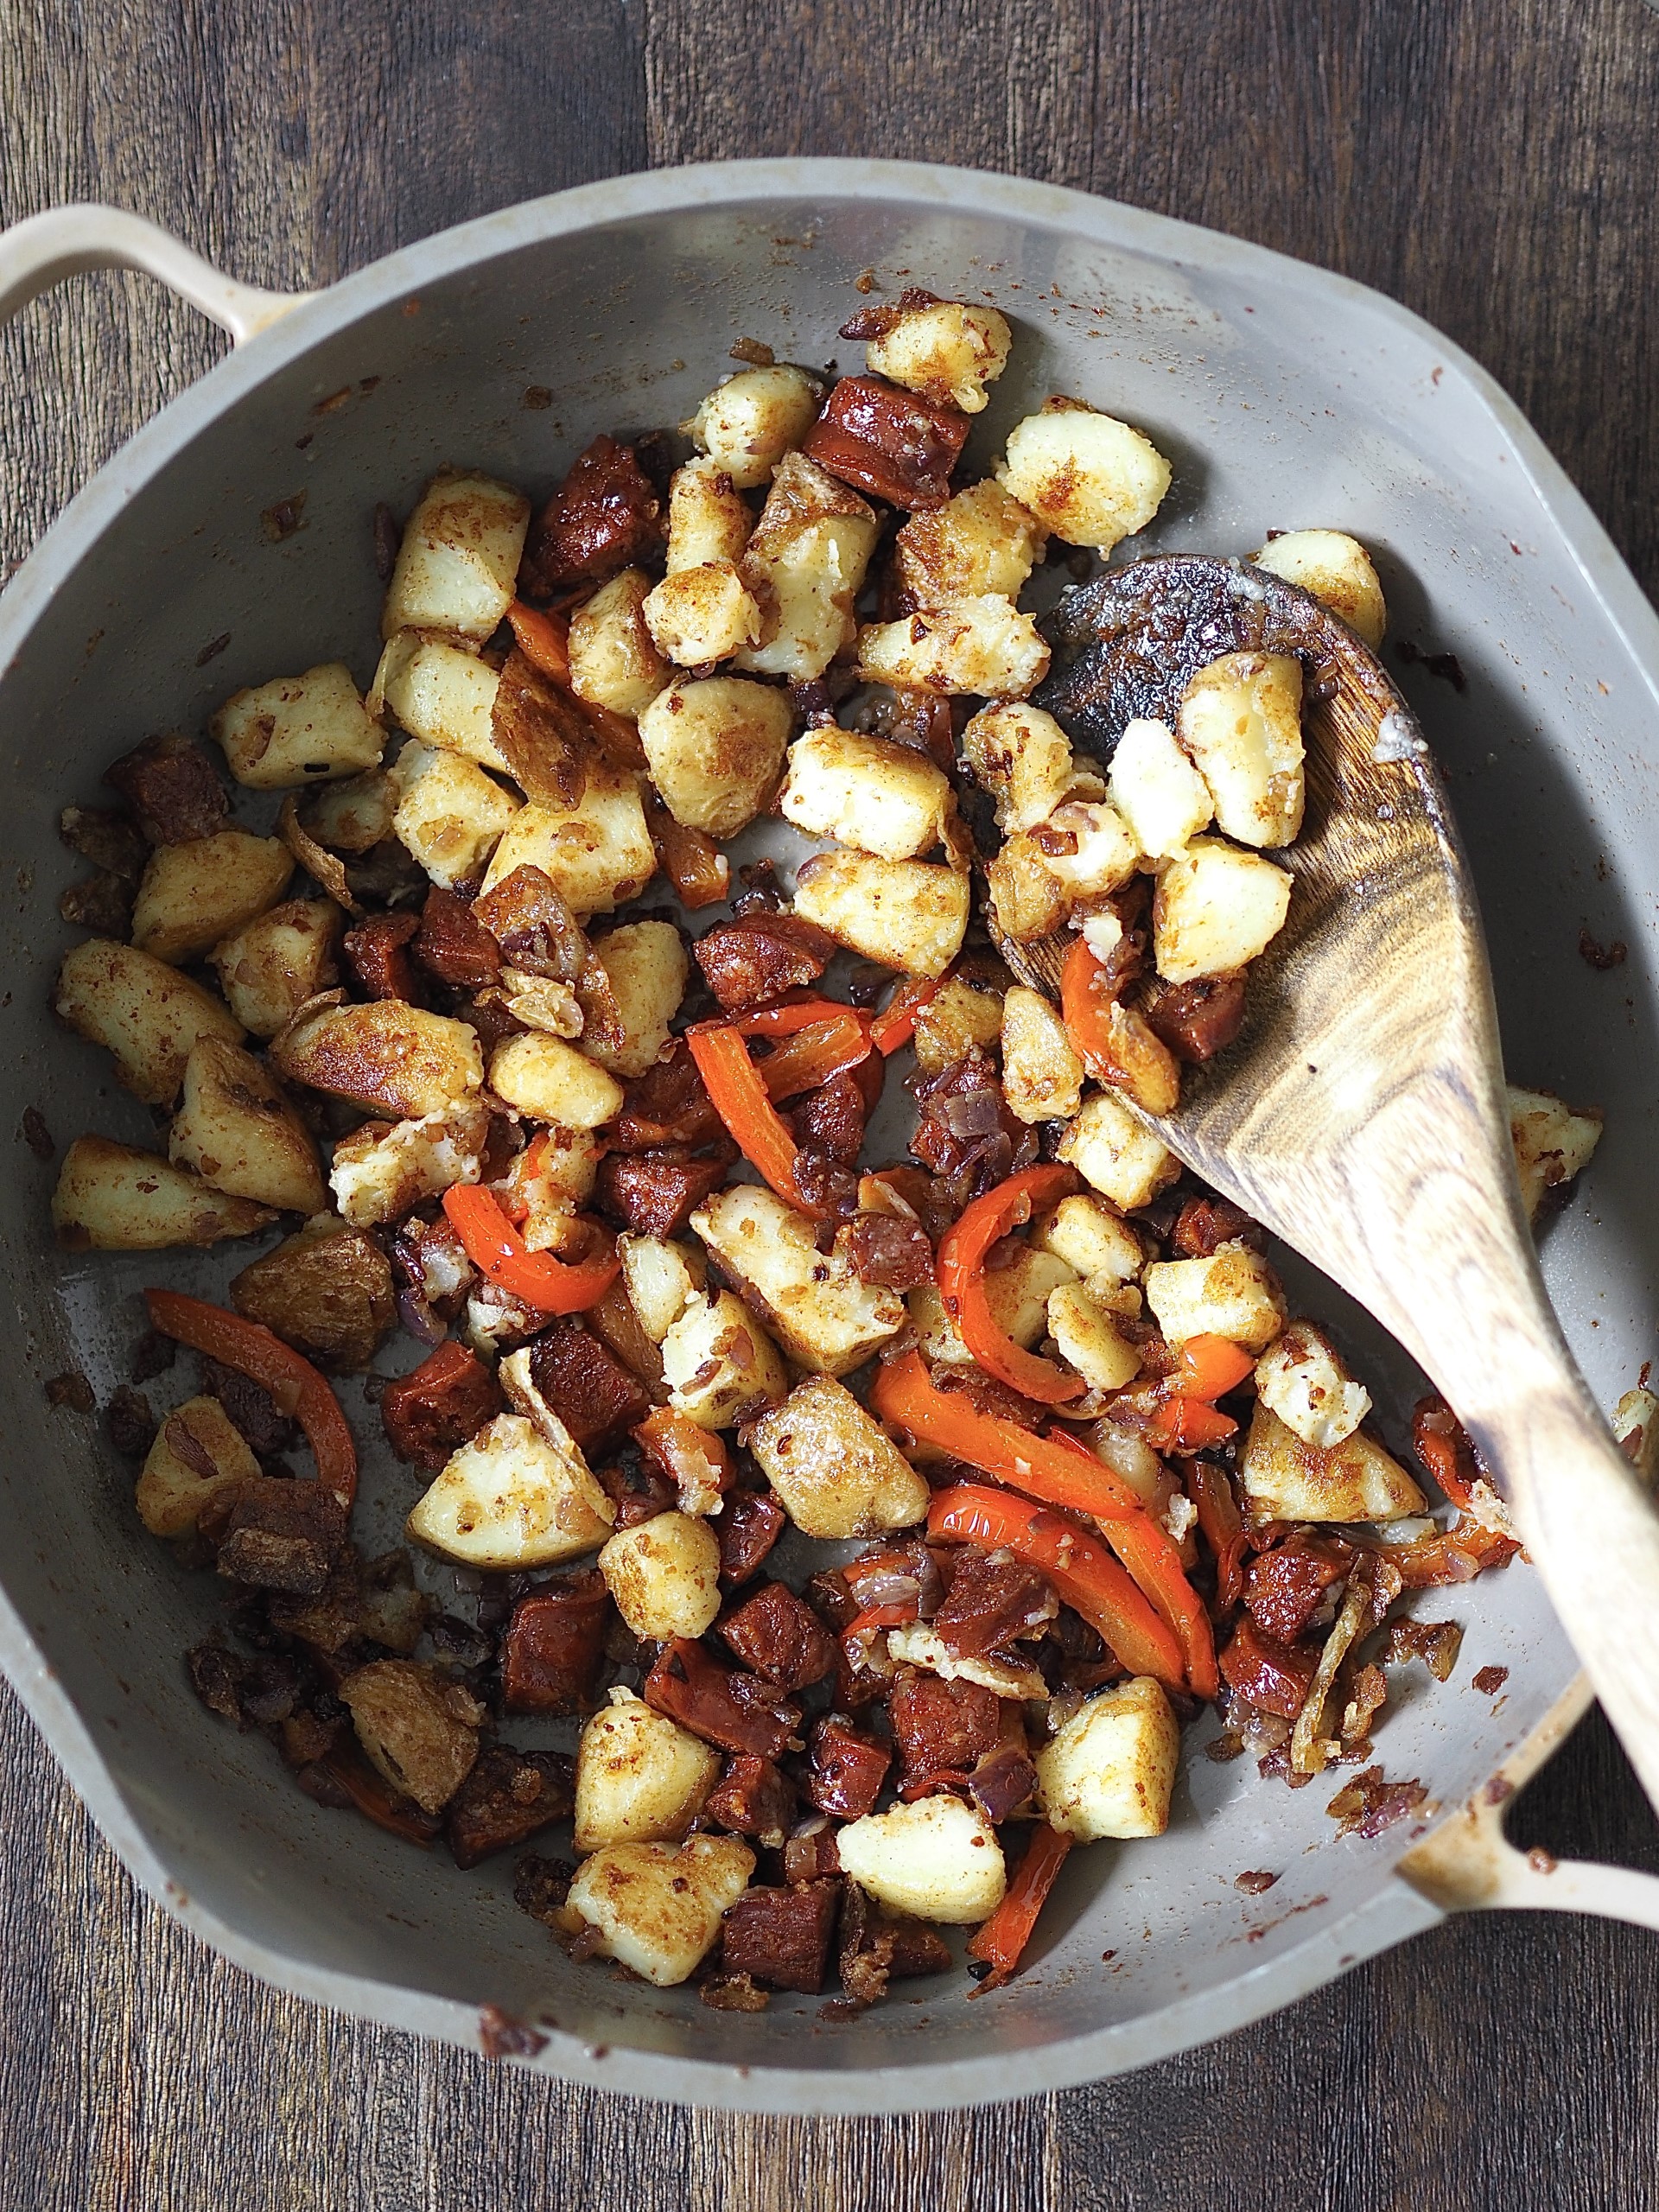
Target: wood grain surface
{"x":1495,"y":167}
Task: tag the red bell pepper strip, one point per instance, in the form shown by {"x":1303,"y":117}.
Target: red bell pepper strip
{"x":1085,"y":1010}
{"x":738,"y":1096}
{"x":1046,"y":1467}
{"x":495,"y":1246}
{"x":1081,"y":1569}
{"x":1209,"y":1367}
{"x":295,"y":1385}
{"x":860,"y":1633}
{"x":543,"y":639}
{"x":1183,"y":1424}
{"x":1002,"y":1939}
{"x":896,"y":1023}
{"x":1439,"y":1439}
{"x":962,"y":1290}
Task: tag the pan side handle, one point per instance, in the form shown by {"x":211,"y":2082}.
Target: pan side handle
{"x":69,"y":241}
{"x":1468,"y":1865}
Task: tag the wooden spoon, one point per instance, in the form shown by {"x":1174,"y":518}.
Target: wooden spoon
{"x":1360,"y":1116}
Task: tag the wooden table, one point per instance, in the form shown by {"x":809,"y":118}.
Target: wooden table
{"x":1495,"y":168}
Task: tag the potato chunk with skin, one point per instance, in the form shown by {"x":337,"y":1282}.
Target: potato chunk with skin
{"x":328,"y":1292}
{"x":700,"y":615}
{"x":615,"y":662}
{"x":112,"y":1198}
{"x":450,"y":815}
{"x":804,"y":566}
{"x":551,"y":1081}
{"x":656,"y":1908}
{"x":1093,"y":1238}
{"x":1241,"y":721}
{"x":198,"y":1456}
{"x":457,"y":567}
{"x":1160,"y":794}
{"x":267,"y":970}
{"x":719,"y":1365}
{"x":663,"y":1575}
{"x":418,"y":1727}
{"x":979,"y":541}
{"x":816,"y":1306}
{"x":983,"y":643}
{"x":599,"y":855}
{"x":662,"y":1277}
{"x":1215,"y":910}
{"x":1553,"y":1143}
{"x":241,"y":1133}
{"x":382,"y":1170}
{"x":1088,"y":478}
{"x":715,"y":747}
{"x":1110,"y":1771}
{"x":195,"y":893}
{"x":1022,"y":758}
{"x":1336,"y":569}
{"x":1234,"y":1293}
{"x":1301,"y":1377}
{"x":947,"y":349}
{"x":836,"y":1471}
{"x":937,"y":1859}
{"x":910,"y":915}
{"x":148,"y":1015}
{"x":297,"y":730}
{"x":387,"y":1057}
{"x":513,"y":1498}
{"x":645,"y":966}
{"x":640,"y":1777}
{"x":1114,"y":1153}
{"x":869,"y":792}
{"x":1042,"y":1076}
{"x":748,"y":423}
{"x":1087,"y":1338}
{"x":1285,"y":1479}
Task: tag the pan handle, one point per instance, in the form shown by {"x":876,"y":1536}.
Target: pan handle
{"x":1468,"y":1865}
{"x":69,"y":241}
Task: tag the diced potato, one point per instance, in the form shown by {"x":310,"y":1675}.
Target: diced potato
{"x":1215,"y":908}
{"x":328,"y":1292}
{"x":1241,"y":721}
{"x":748,"y":423}
{"x":645,"y":966}
{"x":663,"y":1575}
{"x":146,"y":1014}
{"x":457,"y":567}
{"x":1301,"y":1377}
{"x":1088,"y":478}
{"x":513,"y":1498}
{"x":937,"y":1859}
{"x":1110,"y":1771}
{"x":1336,"y":569}
{"x":1042,"y":1076}
{"x":195,"y":893}
{"x":352,"y":817}
{"x":910,"y":915}
{"x":836,"y":1471}
{"x":388,"y":1058}
{"x":719,"y":1365}
{"x":806,"y":565}
{"x":959,"y":1018}
{"x":1027,"y":898}
{"x":382,"y":1170}
{"x":599,"y":854}
{"x":543,"y":1002}
{"x":450,"y":815}
{"x":112,"y":1198}
{"x":656,"y":1908}
{"x":241,"y":1133}
{"x":551,"y":1081}
{"x":1156,"y":789}
{"x":1092,"y":1238}
{"x":979,"y":541}
{"x":567,"y":1163}
{"x":1018,"y":1295}
{"x":1087,"y":1338}
{"x":173,"y":1490}
{"x":815,"y":1304}
{"x":662,"y":1277}
{"x":1021,"y":757}
{"x":947,"y":351}
{"x":419,"y":1727}
{"x":704,"y":614}
{"x":640,"y":1777}
{"x":269,"y":968}
{"x":1088,"y":847}
{"x":1552,"y":1142}
{"x":1234,"y":1293}
{"x":917,"y":1646}
{"x":615,"y":662}
{"x":709,"y":518}
{"x":1113,"y":1152}
{"x":870,"y":792}
{"x":442,"y":695}
{"x":983,"y":643}
{"x":716,"y":748}
{"x":1285,"y":1479}
{"x":297,"y":730}
{"x":1636,"y":1432}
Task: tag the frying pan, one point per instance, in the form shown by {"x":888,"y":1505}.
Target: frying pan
{"x":1287,"y":398}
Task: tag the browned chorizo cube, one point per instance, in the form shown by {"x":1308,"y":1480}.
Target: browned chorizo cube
{"x":593,"y":1393}
{"x":506,"y":1798}
{"x":454,"y":944}
{"x":605,"y":516}
{"x":781,"y":1937}
{"x":748,"y":1526}
{"x":757,"y":957}
{"x":173,"y":787}
{"x":752,"y":1797}
{"x":847,"y":1771}
{"x":942,"y":1727}
{"x":777,"y":1636}
{"x":553,"y":1648}
{"x":280,"y":1536}
{"x":377,"y":953}
{"x":888,"y":442}
{"x":656,"y":1193}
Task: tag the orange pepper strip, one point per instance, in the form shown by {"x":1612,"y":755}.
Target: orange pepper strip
{"x":494,"y":1246}
{"x":1004,"y":1937}
{"x":855,"y":1637}
{"x":543,"y":639}
{"x":1183,"y":1424}
{"x":1084,"y":1013}
{"x":295,"y":1385}
{"x":1211,"y":1492}
{"x":1083,"y":1571}
{"x":1439,"y":1440}
{"x":896,"y":1023}
{"x":961,"y":1282}
{"x":693,"y":1458}
{"x":820,"y":1039}
{"x":1209,"y":1367}
{"x":738,"y":1096}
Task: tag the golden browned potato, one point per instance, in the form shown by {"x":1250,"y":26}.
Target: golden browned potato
{"x":1111,"y":1768}
{"x":937,"y":1859}
{"x":1110,"y":1149}
{"x":981,"y":643}
{"x":640,"y":1777}
{"x":910,"y":915}
{"x":614,"y":658}
{"x":419,"y":1727}
{"x":515,"y":1497}
{"x":551,"y":1081}
{"x":458,"y":564}
{"x":1284,"y":1479}
{"x":836,"y":1471}
{"x":1022,"y":758}
{"x":716,"y":746}
{"x":656,"y":1908}
{"x":384,"y":1168}
{"x":1241,"y":721}
{"x":1090,"y":478}
{"x":1027,"y":898}
{"x":450,"y":815}
{"x":644,"y":966}
{"x":388,"y":1058}
{"x":112,"y":1198}
{"x":198,"y":1456}
{"x":747,"y":424}
{"x":804,"y":566}
{"x":961,"y":1015}
{"x":1215,"y":909}
{"x":945,"y":349}
{"x":869,"y":792}
{"x":980,"y":541}
{"x":719,"y":1363}
{"x":815,"y":1304}
{"x":663,"y":1575}
{"x":147,"y":1013}
{"x":1233,"y":1293}
{"x":297,"y":730}
{"x":1042,"y":1076}
{"x":198,"y":893}
{"x":1336,"y":569}
{"x":240,"y":1131}
{"x":328,"y":1292}
{"x":267,"y":970}
{"x":599,"y":853}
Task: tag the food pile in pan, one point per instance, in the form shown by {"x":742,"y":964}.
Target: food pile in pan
{"x":871,"y":1520}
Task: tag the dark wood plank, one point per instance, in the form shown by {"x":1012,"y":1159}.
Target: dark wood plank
{"x":1496,"y":174}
